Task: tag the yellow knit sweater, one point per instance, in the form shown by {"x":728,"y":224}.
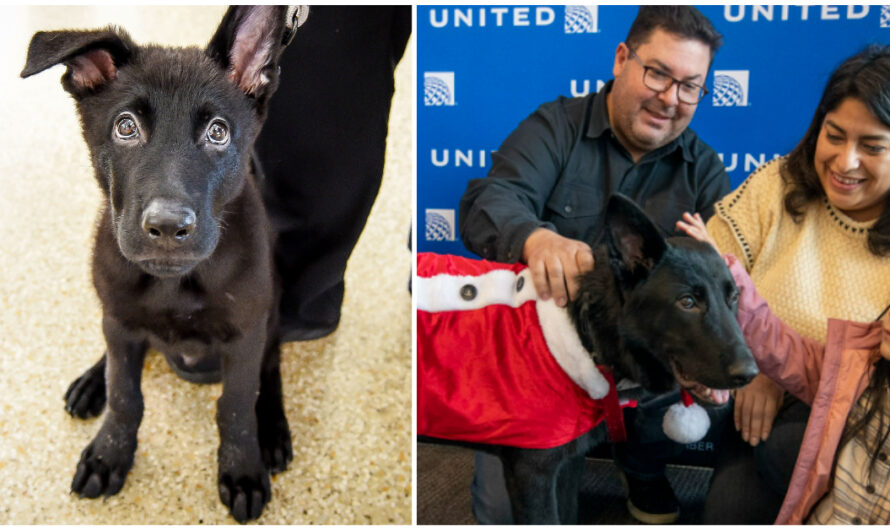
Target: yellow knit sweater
{"x":810,"y":271}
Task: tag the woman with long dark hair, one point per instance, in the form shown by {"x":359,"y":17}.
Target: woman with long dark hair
{"x":813,"y":231}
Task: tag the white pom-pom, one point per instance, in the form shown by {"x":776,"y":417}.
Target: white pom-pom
{"x":684,"y":424}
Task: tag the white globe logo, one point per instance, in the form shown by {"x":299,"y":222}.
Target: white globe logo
{"x":578,"y":20}
{"x":437,"y":227}
{"x":435,"y":92}
{"x":728,"y":92}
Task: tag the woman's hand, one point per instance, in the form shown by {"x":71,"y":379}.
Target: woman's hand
{"x":694,"y":227}
{"x":756,"y":406}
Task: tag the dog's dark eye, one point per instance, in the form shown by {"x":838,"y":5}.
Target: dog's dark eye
{"x":218,"y":133}
{"x":686,"y":302}
{"x":125,"y":128}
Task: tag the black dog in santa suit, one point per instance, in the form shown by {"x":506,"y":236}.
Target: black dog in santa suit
{"x":500,"y":370}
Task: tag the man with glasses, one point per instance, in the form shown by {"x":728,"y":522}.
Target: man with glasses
{"x":544,"y":201}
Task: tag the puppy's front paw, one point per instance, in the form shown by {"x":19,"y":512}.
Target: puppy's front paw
{"x":86,"y":395}
{"x":275,"y":444}
{"x":244,"y":492}
{"x":101,"y":471}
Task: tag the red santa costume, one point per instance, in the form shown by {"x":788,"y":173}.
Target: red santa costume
{"x":496,"y":365}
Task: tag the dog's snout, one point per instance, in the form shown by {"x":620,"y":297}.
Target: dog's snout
{"x":168,"y":222}
{"x":742,"y":371}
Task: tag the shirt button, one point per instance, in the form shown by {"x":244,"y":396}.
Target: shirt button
{"x":870,"y":489}
{"x":468,"y":292}
{"x":568,"y":209}
{"x":519,"y":283}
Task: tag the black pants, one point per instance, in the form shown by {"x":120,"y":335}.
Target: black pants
{"x":321,"y":151}
{"x":749,"y":483}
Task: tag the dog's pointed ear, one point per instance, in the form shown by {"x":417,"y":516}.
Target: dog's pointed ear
{"x":247,"y":44}
{"x":632,"y":238}
{"x":92,"y":57}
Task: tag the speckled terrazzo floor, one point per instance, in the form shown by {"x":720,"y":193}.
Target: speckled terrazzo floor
{"x":347,"y":396}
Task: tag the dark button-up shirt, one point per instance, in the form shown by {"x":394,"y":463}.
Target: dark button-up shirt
{"x":558,"y":169}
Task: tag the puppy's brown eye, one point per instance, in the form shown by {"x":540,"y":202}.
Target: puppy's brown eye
{"x":686,"y":302}
{"x":125,"y":128}
{"x":218,"y":133}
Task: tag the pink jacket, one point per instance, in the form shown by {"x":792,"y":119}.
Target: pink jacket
{"x":829,"y":377}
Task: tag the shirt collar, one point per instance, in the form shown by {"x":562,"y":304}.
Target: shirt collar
{"x":599,"y":124}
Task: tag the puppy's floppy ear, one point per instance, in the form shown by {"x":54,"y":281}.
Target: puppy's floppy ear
{"x":92,"y":57}
{"x":247,"y":44}
{"x":635,"y":243}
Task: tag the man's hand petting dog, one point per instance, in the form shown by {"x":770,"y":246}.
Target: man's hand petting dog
{"x":556,"y":262}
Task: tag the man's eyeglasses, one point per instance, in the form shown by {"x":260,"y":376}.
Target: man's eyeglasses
{"x":656,"y":80}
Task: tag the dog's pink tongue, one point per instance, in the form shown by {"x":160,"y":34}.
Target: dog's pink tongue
{"x":720,"y":396}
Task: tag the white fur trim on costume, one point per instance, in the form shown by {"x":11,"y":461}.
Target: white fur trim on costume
{"x":684,"y":424}
{"x":565,"y":346}
{"x":443,"y":291}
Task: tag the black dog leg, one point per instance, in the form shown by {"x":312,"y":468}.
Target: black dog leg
{"x":568,"y":487}
{"x":105,"y":462}
{"x":243,"y":479}
{"x":530,"y":475}
{"x":85,"y":397}
{"x":274,"y":432}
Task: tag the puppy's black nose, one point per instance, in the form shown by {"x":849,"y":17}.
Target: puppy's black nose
{"x":742,"y":371}
{"x":167,"y":222}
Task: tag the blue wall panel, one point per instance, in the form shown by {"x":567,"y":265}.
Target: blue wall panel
{"x":483,"y":69}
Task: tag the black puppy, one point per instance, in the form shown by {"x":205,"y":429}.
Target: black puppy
{"x":660,"y":312}
{"x":182,"y":259}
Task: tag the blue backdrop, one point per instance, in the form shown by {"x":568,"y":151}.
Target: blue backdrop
{"x":485,"y":68}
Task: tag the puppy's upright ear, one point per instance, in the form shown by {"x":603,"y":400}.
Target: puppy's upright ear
{"x":92,"y":57}
{"x":247,"y":44}
{"x":635,"y":243}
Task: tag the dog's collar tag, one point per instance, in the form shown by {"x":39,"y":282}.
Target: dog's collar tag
{"x":296,"y":16}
